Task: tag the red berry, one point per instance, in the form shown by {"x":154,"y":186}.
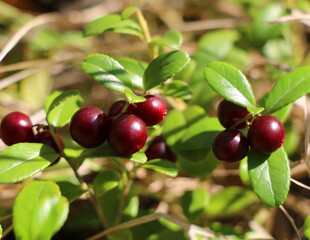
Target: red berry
{"x":16,"y":127}
{"x":152,"y":111}
{"x":229,"y":114}
{"x":117,"y":107}
{"x":230,"y":145}
{"x":159,"y":149}
{"x":127,"y":134}
{"x":88,"y":127}
{"x":266,"y":134}
{"x":46,"y":138}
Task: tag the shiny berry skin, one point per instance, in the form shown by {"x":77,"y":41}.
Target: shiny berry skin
{"x":117,"y":107}
{"x":266,"y":134}
{"x":229,"y":114}
{"x":159,"y":149}
{"x":127,"y":134}
{"x":88,"y":127}
{"x":16,"y":127}
{"x":152,"y":111}
{"x":46,"y":138}
{"x":230,"y":145}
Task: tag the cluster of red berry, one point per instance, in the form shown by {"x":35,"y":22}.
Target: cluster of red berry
{"x":125,"y":126}
{"x":265,"y":134}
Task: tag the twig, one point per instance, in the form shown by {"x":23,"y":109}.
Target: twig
{"x":206,"y":25}
{"x":291,"y":220}
{"x":37,"y":21}
{"x":189,"y":228}
{"x":7,"y":231}
{"x":300,"y":184}
{"x":294,"y":17}
{"x":6,"y":217}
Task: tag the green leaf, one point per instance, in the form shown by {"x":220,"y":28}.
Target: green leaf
{"x":127,"y":12}
{"x":107,"y":72}
{"x":230,"y":201}
{"x":231,"y":84}
{"x":243,"y":171}
{"x":50,"y":98}
{"x":164,"y":67}
{"x":63,"y":107}
{"x":201,"y":133}
{"x":307,"y":227}
{"x":162,"y":166}
{"x":132,"y":209}
{"x":133,"y":98}
{"x":112,"y":22}
{"x":135,"y":71}
{"x":288,"y":89}
{"x":120,"y":235}
{"x":270,"y":176}
{"x":283,"y":113}
{"x":178,"y":89}
{"x":194,"y":202}
{"x":105,"y":181}
{"x":39,"y":211}
{"x":172,"y":39}
{"x":1,"y":231}
{"x":23,"y":160}
{"x":70,"y":190}
{"x":106,"y":151}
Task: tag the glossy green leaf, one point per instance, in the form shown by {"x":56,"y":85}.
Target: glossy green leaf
{"x":178,"y":89}
{"x":133,"y":98}
{"x":50,"y":98}
{"x":201,"y":133}
{"x":292,"y":139}
{"x":283,"y":113}
{"x":243,"y":171}
{"x":63,"y":107}
{"x":106,"y":151}
{"x":107,"y":72}
{"x":112,"y":22}
{"x":162,"y":166}
{"x":270,"y":176}
{"x":39,"y":211}
{"x":174,"y":127}
{"x":306,"y":226}
{"x":198,"y":162}
{"x":135,"y":71}
{"x":1,"y":231}
{"x":230,"y":201}
{"x":70,"y":190}
{"x":132,"y":209}
{"x":194,"y":202}
{"x":105,"y":181}
{"x":288,"y":89}
{"x":172,"y":39}
{"x":231,"y":84}
{"x":23,"y":160}
{"x":164,"y":67}
{"x":127,"y":12}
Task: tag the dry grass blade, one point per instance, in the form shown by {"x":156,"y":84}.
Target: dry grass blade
{"x":291,"y":220}
{"x":300,"y":184}
{"x":296,"y":16}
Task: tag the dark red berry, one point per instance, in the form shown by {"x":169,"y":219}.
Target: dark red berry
{"x":159,"y":149}
{"x":118,"y":106}
{"x":152,"y":111}
{"x":229,"y":114}
{"x":16,"y":127}
{"x":127,"y":134}
{"x":46,"y":138}
{"x":266,"y":134}
{"x":230,"y":145}
{"x":88,"y":127}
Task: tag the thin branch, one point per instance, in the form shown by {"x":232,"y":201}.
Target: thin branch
{"x":291,"y":220}
{"x":300,"y":184}
{"x":6,"y":217}
{"x":7,"y":231}
{"x":189,"y":228}
{"x":37,"y":21}
{"x":206,"y":25}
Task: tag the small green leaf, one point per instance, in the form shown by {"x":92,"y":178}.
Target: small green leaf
{"x":127,"y":12}
{"x":172,"y":39}
{"x":243,"y":171}
{"x":1,"y":231}
{"x":135,"y":71}
{"x":51,"y":98}
{"x":70,"y":190}
{"x":132,"y":209}
{"x":178,"y":89}
{"x":201,"y":133}
{"x":283,"y":113}
{"x":105,"y":181}
{"x":231,"y":84}
{"x":270,"y":176}
{"x":63,"y":107}
{"x":230,"y":201}
{"x":23,"y":160}
{"x":133,"y":98}
{"x":162,"y":166}
{"x":164,"y":67}
{"x":288,"y":89}
{"x":112,"y":22}
{"x":194,"y":202}
{"x":39,"y":211}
